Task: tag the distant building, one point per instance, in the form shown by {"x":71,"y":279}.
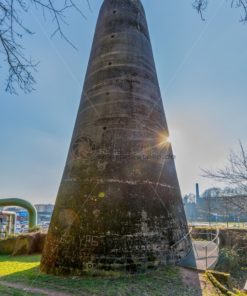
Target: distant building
{"x":44,"y":212}
{"x":216,"y":208}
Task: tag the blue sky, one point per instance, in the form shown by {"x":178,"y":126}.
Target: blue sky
{"x":202,"y":73}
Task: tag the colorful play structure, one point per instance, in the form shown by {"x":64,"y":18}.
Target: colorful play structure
{"x":8,"y":219}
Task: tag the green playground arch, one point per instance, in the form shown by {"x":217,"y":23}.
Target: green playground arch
{"x":4,"y":202}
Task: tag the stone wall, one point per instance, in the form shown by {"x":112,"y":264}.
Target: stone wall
{"x":24,"y":244}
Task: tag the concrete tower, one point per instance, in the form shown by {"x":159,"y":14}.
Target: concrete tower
{"x":119,"y":203}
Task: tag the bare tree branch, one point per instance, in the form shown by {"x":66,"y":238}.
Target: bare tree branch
{"x":12,"y":29}
{"x":201,"y":6}
{"x":235,"y":172}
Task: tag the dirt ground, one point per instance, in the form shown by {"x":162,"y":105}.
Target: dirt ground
{"x":199,"y":281}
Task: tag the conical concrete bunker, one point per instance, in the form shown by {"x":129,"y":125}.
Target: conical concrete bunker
{"x":119,"y":204}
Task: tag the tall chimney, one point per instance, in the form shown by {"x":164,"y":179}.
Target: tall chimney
{"x":119,"y":204}
{"x":197,"y":193}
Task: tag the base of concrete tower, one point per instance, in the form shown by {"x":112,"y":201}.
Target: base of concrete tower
{"x":102,"y":270}
{"x":131,"y":264}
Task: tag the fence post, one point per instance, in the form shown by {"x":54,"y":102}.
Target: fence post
{"x":206,"y":250}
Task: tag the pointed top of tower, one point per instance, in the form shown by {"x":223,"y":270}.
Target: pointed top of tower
{"x":136,"y":4}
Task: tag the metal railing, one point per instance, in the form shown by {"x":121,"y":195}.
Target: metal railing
{"x":183,"y":238}
{"x":214,"y":240}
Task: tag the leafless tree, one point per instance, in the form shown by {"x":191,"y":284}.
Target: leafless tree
{"x":21,"y":68}
{"x":235,"y":172}
{"x":201,"y":6}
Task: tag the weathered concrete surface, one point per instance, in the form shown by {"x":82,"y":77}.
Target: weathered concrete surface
{"x":119,"y":203}
{"x":7,"y":246}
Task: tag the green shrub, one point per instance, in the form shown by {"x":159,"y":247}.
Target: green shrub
{"x":34,"y":229}
{"x":229,"y":260}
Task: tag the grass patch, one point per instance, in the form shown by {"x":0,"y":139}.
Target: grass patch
{"x":10,"y":265}
{"x":235,"y":263}
{"x":239,"y":278}
{"x":9,"y":291}
{"x":162,"y":282}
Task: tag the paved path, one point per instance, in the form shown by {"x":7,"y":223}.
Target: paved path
{"x":197,"y":257}
{"x":245,"y":287}
{"x":197,"y":281}
{"x":27,"y":289}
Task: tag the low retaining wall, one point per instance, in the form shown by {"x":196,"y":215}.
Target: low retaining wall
{"x":222,"y":281}
{"x":228,"y":237}
{"x":24,"y":244}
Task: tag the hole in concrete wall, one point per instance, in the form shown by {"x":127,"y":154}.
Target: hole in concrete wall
{"x":110,"y":63}
{"x":114,"y":11}
{"x":112,"y":36}
{"x":104,"y":128}
{"x":107,"y":93}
